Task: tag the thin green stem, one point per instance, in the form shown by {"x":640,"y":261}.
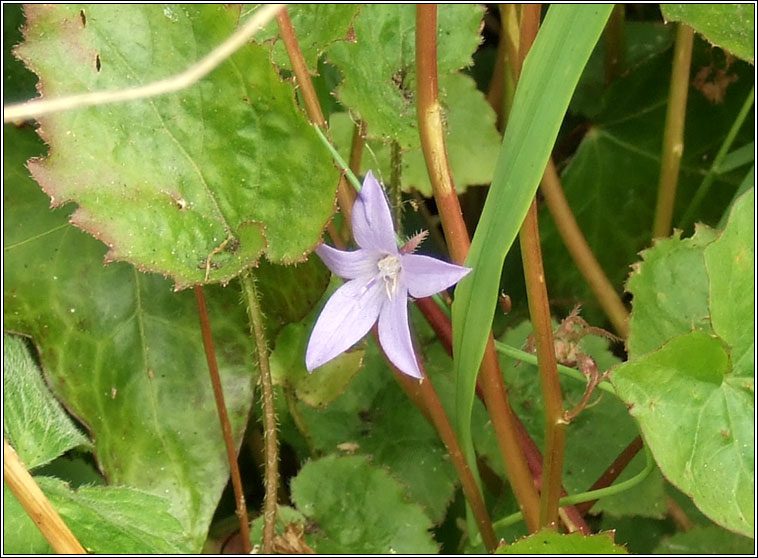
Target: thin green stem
{"x":673,"y":135}
{"x":223,"y":417}
{"x":705,"y":185}
{"x":592,"y":494}
{"x":340,"y":161}
{"x":271,"y":446}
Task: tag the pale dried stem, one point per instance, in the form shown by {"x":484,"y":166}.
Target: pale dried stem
{"x":36,"y":504}
{"x":193,"y":74}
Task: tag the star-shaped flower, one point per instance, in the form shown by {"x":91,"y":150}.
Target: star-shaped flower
{"x":379,"y":279}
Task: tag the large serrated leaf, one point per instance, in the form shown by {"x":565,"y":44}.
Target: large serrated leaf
{"x":196,"y":184}
{"x":698,"y":422}
{"x":693,"y":395}
{"x":374,"y":417}
{"x":360,"y":509}
{"x":730,"y":26}
{"x":730,"y":263}
{"x":472,"y":140}
{"x":33,"y":421}
{"x":123,"y":352}
{"x":670,"y":288}
{"x":548,"y":541}
{"x":316,"y":26}
{"x":380,"y":68}
{"x":105,"y":520}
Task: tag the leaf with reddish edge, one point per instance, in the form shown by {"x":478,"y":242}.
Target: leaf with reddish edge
{"x":195,"y":184}
{"x":123,"y":352}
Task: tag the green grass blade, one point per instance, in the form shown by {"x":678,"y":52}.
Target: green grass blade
{"x":550,"y":74}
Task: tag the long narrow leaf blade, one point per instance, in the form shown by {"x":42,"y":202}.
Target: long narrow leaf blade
{"x":550,"y":74}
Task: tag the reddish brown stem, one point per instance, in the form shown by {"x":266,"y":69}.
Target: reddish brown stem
{"x":442,"y":326}
{"x":223,"y":417}
{"x":421,"y":393}
{"x":345,"y":194}
{"x":539,"y":311}
{"x":435,"y":156}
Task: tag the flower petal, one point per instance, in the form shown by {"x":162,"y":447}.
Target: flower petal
{"x":349,"y":265}
{"x":425,"y":276}
{"x":395,"y":336}
{"x":372,"y":220}
{"x":346,"y":318}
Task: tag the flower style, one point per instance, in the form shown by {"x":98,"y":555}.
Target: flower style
{"x":379,"y":278}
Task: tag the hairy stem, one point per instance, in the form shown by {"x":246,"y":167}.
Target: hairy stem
{"x":396,"y":194}
{"x":38,"y":107}
{"x":673,"y":135}
{"x":539,"y":311}
{"x":36,"y":504}
{"x":435,"y":156}
{"x":223,"y":417}
{"x":581,"y":252}
{"x":271,"y":473}
{"x":356,"y":146}
{"x":707,"y":182}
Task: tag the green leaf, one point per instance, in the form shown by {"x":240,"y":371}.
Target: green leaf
{"x":20,"y":534}
{"x":316,"y":26}
{"x":709,"y":539}
{"x":610,"y":181}
{"x":374,"y":417}
{"x":184,"y":184}
{"x":289,"y":292}
{"x":747,"y":182}
{"x":730,"y":262}
{"x":670,"y":288}
{"x":606,"y":422}
{"x":380,"y":70}
{"x":105,"y":520}
{"x":549,"y":76}
{"x":123,"y":352}
{"x":360,"y":509}
{"x":34,"y":422}
{"x":548,"y":541}
{"x":324,"y":384}
{"x":697,"y":418}
{"x":472,"y":140}
{"x":288,"y":521}
{"x":730,"y":26}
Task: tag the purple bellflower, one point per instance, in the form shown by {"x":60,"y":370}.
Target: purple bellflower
{"x":379,"y":278}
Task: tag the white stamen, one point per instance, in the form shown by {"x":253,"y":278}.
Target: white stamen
{"x":389,"y":267}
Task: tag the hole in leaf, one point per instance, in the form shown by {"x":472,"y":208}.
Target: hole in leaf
{"x":98,"y":65}
{"x":84,"y":17}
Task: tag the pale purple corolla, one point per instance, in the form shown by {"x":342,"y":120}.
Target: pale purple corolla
{"x":379,"y":278}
